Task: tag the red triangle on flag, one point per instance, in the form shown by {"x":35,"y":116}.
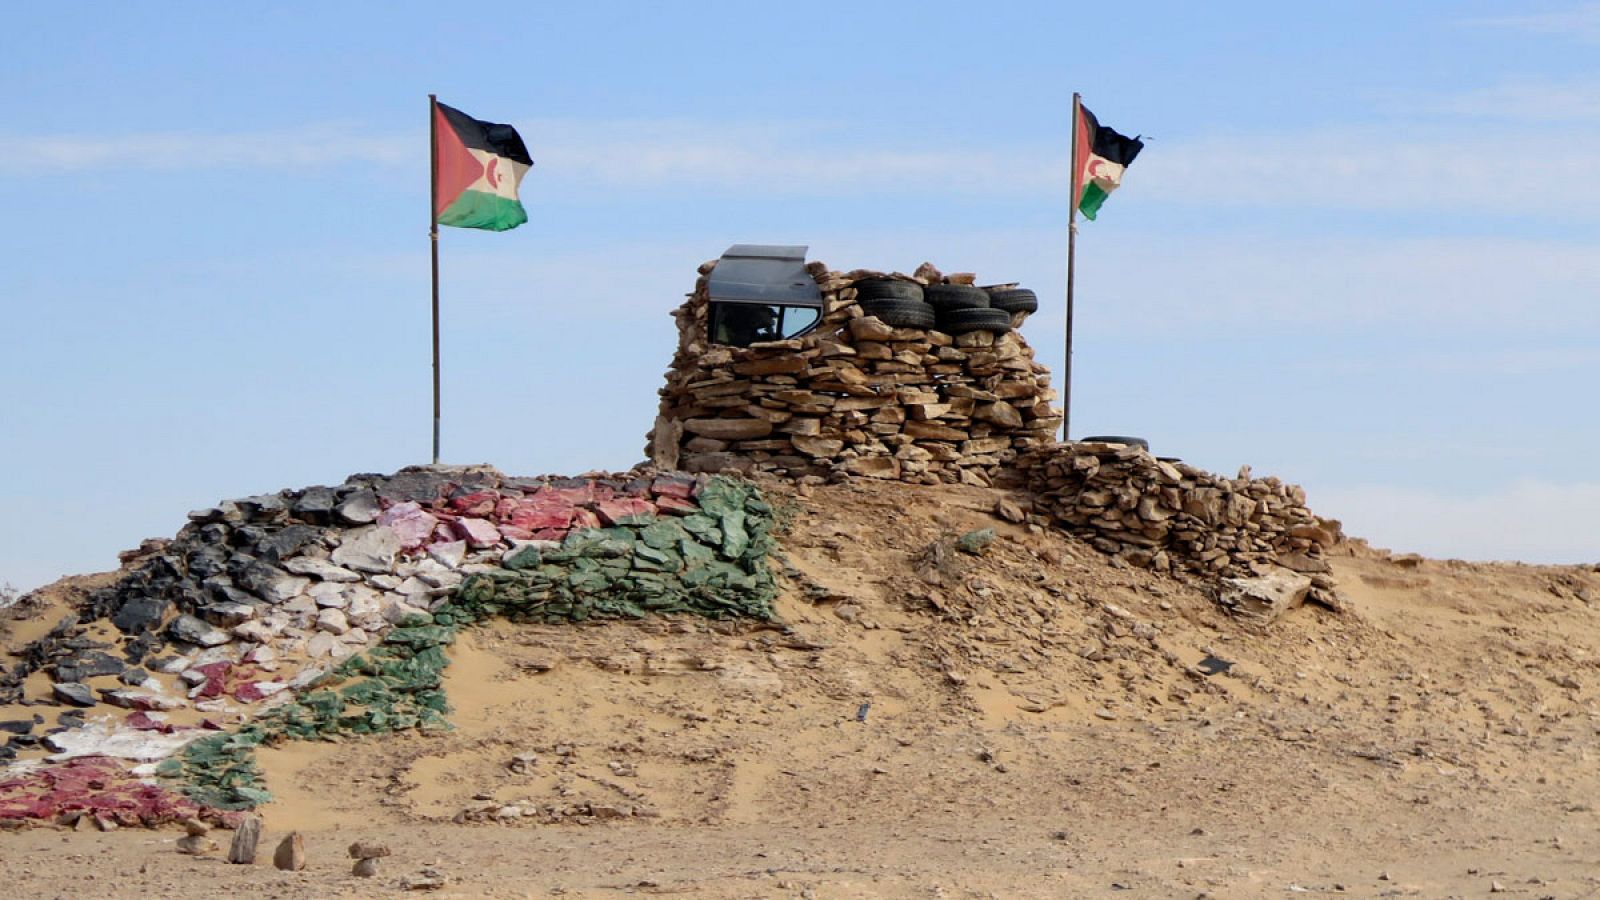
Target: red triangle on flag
{"x":455,"y":169}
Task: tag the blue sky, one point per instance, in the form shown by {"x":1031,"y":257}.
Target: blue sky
{"x":1359,"y":251}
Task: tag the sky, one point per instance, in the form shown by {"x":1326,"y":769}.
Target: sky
{"x":1358,"y":252}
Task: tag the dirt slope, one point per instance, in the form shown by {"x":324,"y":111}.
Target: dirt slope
{"x":1024,"y":722}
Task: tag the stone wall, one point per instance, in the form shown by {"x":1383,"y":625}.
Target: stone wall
{"x":321,"y":612}
{"x":1170,"y":516}
{"x":854,"y":397}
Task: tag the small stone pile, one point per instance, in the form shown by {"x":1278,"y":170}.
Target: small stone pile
{"x":1169,"y":516}
{"x":854,"y":397}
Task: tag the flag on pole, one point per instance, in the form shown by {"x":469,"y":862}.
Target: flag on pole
{"x":477,"y":169}
{"x":1103,"y":155}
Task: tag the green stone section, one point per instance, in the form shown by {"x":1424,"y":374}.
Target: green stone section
{"x":714,"y":563}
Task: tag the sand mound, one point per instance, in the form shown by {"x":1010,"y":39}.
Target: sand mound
{"x":1030,"y":719}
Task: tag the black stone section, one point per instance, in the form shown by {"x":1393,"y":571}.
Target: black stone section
{"x":145,"y":644}
{"x":257,"y":576}
{"x":247,"y":537}
{"x":133,"y":676}
{"x":86,"y":665}
{"x":221,"y":590}
{"x":238,"y":562}
{"x":141,"y":613}
{"x":227,"y":615}
{"x":316,"y":505}
{"x":191,"y":630}
{"x":18,"y":726}
{"x":285,"y":542}
{"x":207,"y":561}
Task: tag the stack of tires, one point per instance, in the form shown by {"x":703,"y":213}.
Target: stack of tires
{"x":897,"y":303}
{"x":950,"y":308}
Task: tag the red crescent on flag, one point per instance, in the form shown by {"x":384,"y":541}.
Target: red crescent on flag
{"x":489,"y":173}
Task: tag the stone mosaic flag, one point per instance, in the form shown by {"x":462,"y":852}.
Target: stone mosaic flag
{"x":1103,"y":155}
{"x":477,"y":167}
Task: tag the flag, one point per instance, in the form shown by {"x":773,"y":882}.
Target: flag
{"x":476,"y":170}
{"x":1103,"y":155}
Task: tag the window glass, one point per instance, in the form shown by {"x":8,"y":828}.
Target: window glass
{"x":743,"y":324}
{"x":798,"y":320}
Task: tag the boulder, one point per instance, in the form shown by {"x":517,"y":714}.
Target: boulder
{"x":413,"y":525}
{"x":360,"y":508}
{"x":451,"y":553}
{"x":140,"y":614}
{"x":478,"y":533}
{"x":190,"y":630}
{"x":242,"y":851}
{"x":285,"y":542}
{"x":333,"y":621}
{"x":291,"y":853}
{"x":369,"y":549}
{"x":73,"y":693}
{"x":88,"y":664}
{"x":1265,"y":597}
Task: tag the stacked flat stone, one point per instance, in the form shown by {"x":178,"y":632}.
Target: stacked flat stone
{"x":1171,"y":516}
{"x":855,"y":397}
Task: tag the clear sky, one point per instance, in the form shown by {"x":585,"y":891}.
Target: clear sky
{"x":1359,"y":251}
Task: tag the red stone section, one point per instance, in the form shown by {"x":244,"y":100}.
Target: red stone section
{"x":492,"y":517}
{"x":101,"y":789}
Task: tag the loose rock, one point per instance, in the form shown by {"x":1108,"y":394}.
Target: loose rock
{"x":243,"y":849}
{"x":291,"y":853}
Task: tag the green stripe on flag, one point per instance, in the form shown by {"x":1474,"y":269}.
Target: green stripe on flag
{"x":1093,"y":196}
{"x":478,"y":209}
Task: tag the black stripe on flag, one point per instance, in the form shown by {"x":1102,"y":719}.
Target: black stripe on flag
{"x":1106,"y":143}
{"x":501,"y":140}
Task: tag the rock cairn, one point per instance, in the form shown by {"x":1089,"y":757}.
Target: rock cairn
{"x":854,"y":397}
{"x":1169,"y":516}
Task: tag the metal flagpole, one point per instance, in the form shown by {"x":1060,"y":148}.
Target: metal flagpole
{"x":433,"y":241}
{"x":1072,"y":253}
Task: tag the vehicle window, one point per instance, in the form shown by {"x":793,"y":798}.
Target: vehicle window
{"x":743,"y":324}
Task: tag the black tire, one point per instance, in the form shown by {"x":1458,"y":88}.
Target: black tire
{"x":1015,"y":301}
{"x":900,"y":313}
{"x":944,"y":297}
{"x":961,"y":321}
{"x":887,"y":289}
{"x":1115,"y":439}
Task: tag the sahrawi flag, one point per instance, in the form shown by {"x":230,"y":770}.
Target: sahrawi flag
{"x":477,"y":168}
{"x":1103,"y":155}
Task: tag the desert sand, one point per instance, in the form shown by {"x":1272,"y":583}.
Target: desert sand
{"x":1030,"y":722}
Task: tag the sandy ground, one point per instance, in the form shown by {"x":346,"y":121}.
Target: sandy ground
{"x":1030,"y":726}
